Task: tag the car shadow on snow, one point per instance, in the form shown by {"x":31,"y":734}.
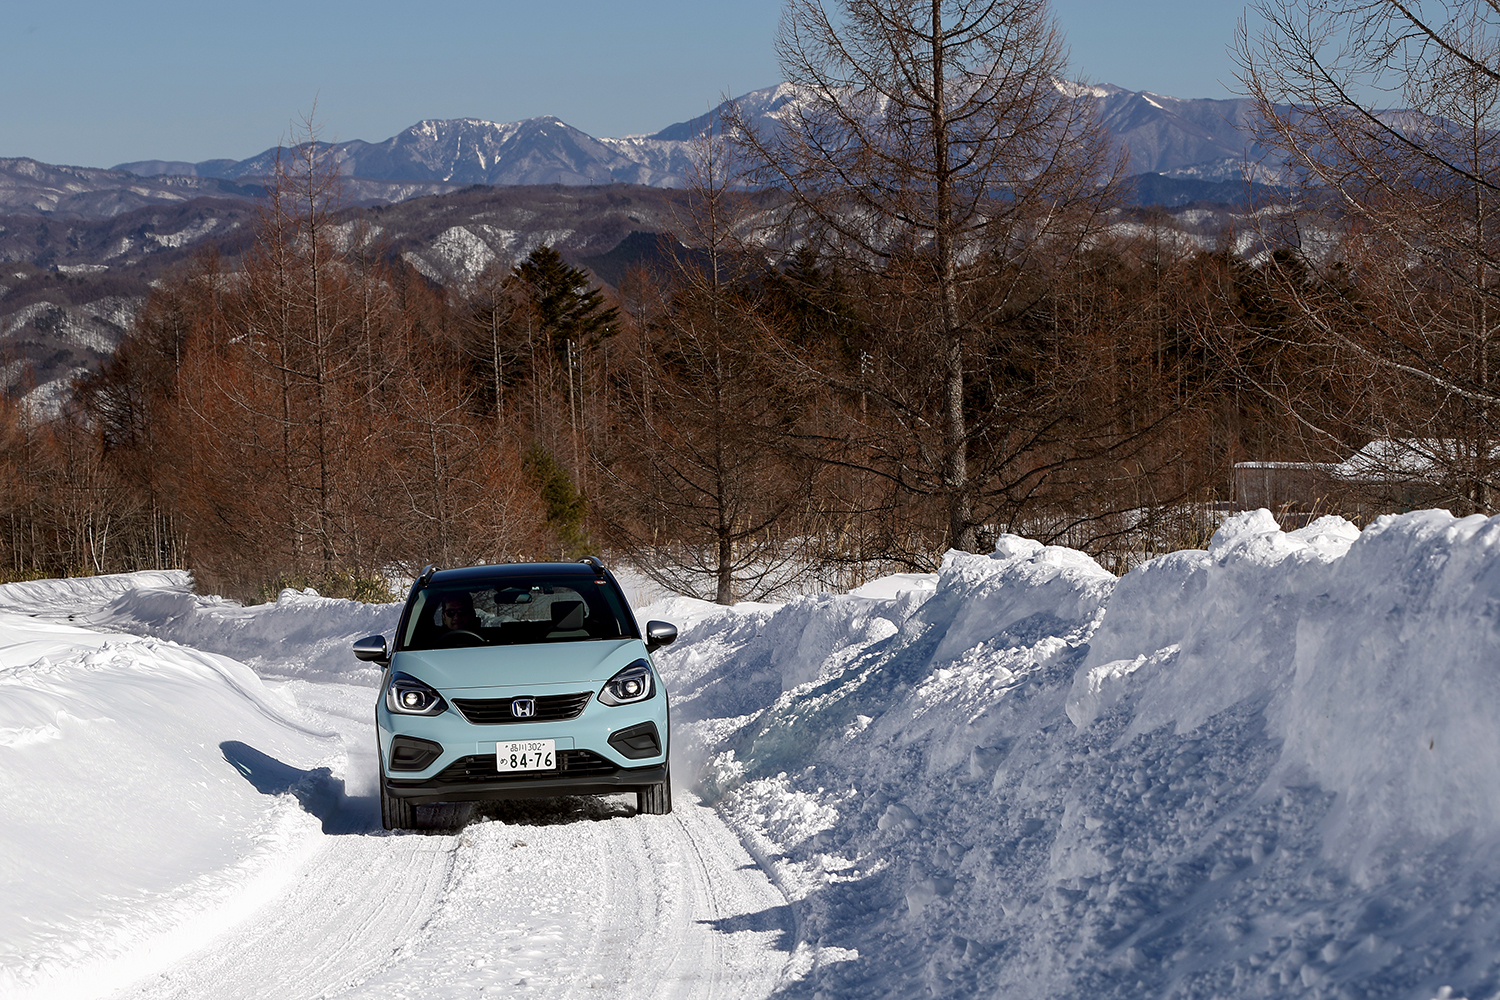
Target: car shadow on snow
{"x":777,"y":918}
{"x":318,"y":791}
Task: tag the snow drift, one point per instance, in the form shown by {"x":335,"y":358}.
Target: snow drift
{"x":301,"y":635}
{"x":143,"y":793}
{"x":1267,"y":769}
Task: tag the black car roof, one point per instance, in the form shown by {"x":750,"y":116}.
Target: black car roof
{"x":500,"y":571}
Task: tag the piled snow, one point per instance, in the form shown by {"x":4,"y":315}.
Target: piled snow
{"x":156,"y":793}
{"x":301,"y":635}
{"x":144,"y":799}
{"x":1268,"y":769}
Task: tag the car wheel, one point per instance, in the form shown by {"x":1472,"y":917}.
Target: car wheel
{"x":655,"y":800}
{"x":396,"y":814}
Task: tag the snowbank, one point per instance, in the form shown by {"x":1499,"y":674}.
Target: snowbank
{"x":1376,"y":652}
{"x":301,"y":635}
{"x":148,"y":799}
{"x":1268,"y":769}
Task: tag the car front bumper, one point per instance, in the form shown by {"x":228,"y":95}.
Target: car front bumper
{"x":474,"y":785}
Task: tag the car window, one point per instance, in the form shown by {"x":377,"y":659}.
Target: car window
{"x":515,"y":610}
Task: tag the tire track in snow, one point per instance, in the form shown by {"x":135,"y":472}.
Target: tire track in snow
{"x":349,"y":912}
{"x":724,"y":889}
{"x":604,"y":903}
{"x":586,"y":897}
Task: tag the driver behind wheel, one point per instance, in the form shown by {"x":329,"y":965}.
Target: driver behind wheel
{"x":458,"y":614}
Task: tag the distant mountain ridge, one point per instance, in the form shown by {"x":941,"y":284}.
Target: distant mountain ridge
{"x":30,"y":187}
{"x":1204,"y":137}
{"x":1199,"y":137}
{"x":80,"y":246}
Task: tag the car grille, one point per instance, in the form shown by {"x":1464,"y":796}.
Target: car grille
{"x":549,"y":708}
{"x":481,"y":767}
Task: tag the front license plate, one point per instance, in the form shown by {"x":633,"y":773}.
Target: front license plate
{"x":526,"y":755}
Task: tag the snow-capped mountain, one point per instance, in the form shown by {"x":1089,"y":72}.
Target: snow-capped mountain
{"x":1200,"y":138}
{"x":463,"y":151}
{"x":1163,"y":134}
{"x":469,"y":151}
{"x":543,"y":150}
{"x":31,"y":188}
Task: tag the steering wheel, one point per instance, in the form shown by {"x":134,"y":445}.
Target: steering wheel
{"x":461,"y":637}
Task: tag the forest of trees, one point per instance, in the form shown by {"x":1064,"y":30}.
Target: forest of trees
{"x":952,"y":330}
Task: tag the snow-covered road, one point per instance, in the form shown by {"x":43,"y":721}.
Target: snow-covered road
{"x":556,"y":899}
{"x":255,"y":866}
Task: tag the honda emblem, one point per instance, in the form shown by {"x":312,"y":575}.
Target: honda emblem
{"x":523,"y":708}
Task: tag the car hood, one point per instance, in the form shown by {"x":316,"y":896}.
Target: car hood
{"x":570,"y":664}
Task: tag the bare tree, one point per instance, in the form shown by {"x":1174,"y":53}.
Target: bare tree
{"x":698,"y":491}
{"x":494,"y":308}
{"x":936,"y":146}
{"x":1388,"y":117}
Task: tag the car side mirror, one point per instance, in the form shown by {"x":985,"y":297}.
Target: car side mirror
{"x":372,"y":649}
{"x":659,"y":634}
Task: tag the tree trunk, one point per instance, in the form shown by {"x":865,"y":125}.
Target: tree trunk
{"x":955,"y":432}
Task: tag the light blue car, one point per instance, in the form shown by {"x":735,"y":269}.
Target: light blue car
{"x":519,"y":681}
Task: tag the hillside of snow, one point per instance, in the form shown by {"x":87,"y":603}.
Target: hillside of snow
{"x":1267,"y":769}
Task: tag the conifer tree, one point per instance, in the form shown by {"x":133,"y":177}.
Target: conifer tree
{"x":568,"y":308}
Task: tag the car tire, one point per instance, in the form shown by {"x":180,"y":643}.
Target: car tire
{"x":396,"y":814}
{"x":655,"y":800}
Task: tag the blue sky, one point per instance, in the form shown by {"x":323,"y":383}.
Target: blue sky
{"x":98,"y":83}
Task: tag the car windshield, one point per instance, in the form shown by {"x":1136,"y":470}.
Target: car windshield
{"x":511,"y":610}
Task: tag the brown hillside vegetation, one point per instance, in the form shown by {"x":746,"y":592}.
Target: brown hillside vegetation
{"x":320,"y":413}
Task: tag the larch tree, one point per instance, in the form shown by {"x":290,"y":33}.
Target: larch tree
{"x":698,"y":491}
{"x":937,"y":148}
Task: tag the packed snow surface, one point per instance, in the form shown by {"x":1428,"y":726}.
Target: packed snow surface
{"x":1267,"y":769}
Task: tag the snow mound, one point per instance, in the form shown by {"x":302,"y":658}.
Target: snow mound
{"x":1268,"y":769}
{"x":51,"y":598}
{"x":1374,"y":653}
{"x":146,"y":798}
{"x":300,"y":635}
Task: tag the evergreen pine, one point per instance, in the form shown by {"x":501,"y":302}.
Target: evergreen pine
{"x":567,"y":306}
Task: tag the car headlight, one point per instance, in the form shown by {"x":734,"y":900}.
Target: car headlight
{"x":409,"y":696}
{"x":634,"y":683}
